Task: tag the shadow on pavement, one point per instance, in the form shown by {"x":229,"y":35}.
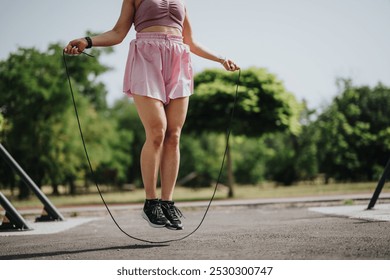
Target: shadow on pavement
{"x":59,"y":253}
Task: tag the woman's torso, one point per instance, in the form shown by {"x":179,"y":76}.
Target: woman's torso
{"x":159,"y":16}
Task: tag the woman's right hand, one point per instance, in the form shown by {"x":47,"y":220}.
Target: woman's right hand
{"x":76,"y":46}
{"x":229,"y":65}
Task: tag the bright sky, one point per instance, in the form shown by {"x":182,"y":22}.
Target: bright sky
{"x":306,"y":43}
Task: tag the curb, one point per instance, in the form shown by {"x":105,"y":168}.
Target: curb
{"x":330,"y":200}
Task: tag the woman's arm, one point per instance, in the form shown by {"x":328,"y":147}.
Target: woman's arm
{"x":201,"y":51}
{"x":109,"y":38}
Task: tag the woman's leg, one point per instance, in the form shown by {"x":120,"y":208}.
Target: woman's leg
{"x":175,"y":112}
{"x":153,"y":117}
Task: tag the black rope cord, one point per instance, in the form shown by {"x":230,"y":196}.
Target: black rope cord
{"x":97,"y":185}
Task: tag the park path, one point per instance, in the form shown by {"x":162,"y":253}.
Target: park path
{"x":295,"y":228}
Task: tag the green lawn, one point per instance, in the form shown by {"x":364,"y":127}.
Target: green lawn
{"x":187,"y":194}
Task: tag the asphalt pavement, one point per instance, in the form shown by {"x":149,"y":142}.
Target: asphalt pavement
{"x":309,"y":228}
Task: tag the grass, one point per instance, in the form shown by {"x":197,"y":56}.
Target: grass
{"x":188,"y":194}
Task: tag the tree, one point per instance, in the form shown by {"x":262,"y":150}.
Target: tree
{"x":263,"y":106}
{"x":41,"y":131}
{"x":294,"y":157}
{"x":251,"y":157}
{"x":130,"y":126}
{"x":354,"y":133}
{"x":200,"y":158}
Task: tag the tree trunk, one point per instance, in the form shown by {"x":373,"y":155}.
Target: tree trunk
{"x":72,"y":186}
{"x":55,"y":189}
{"x":24,"y":191}
{"x":230,"y":174}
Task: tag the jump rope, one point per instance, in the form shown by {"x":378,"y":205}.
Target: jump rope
{"x":228,"y":132}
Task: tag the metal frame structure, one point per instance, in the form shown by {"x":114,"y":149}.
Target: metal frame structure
{"x":381,"y":183}
{"x":12,"y":219}
{"x":50,"y":213}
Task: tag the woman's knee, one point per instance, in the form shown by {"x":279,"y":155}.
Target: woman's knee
{"x":172,"y":138}
{"x":156,"y":136}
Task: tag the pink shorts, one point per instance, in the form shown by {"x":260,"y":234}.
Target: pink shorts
{"x":158,"y":66}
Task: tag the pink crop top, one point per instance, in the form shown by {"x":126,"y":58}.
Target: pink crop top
{"x":159,"y":12}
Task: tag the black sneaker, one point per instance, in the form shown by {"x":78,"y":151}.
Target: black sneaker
{"x":171,"y":212}
{"x":153,"y":214}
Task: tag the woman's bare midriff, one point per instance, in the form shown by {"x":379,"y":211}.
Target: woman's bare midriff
{"x":163,"y":29}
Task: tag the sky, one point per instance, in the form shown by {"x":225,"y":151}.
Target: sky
{"x":306,"y":43}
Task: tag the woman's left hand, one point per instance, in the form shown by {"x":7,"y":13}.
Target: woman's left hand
{"x":230,"y":65}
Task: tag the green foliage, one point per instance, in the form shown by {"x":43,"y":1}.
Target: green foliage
{"x":294,"y":157}
{"x":131,"y":138}
{"x":273,"y":136}
{"x":263,"y":104}
{"x":41,"y":131}
{"x":201,"y":156}
{"x":250,"y":156}
{"x":354,"y":133}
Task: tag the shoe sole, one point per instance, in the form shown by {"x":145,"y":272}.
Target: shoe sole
{"x":172,"y":227}
{"x":150,"y":223}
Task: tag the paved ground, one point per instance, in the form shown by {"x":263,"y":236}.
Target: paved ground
{"x":300,"y":228}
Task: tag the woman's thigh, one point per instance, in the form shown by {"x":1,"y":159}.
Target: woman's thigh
{"x":152,"y":114}
{"x":176,"y":112}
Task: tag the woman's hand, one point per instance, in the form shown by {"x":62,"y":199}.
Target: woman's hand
{"x":111,"y":37}
{"x":229,"y":65}
{"x":76,"y":46}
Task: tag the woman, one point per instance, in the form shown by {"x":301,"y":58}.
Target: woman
{"x":158,"y":76}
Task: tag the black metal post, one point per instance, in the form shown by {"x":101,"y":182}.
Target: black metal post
{"x":53,"y":213}
{"x":381,"y":183}
{"x":15,"y":220}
